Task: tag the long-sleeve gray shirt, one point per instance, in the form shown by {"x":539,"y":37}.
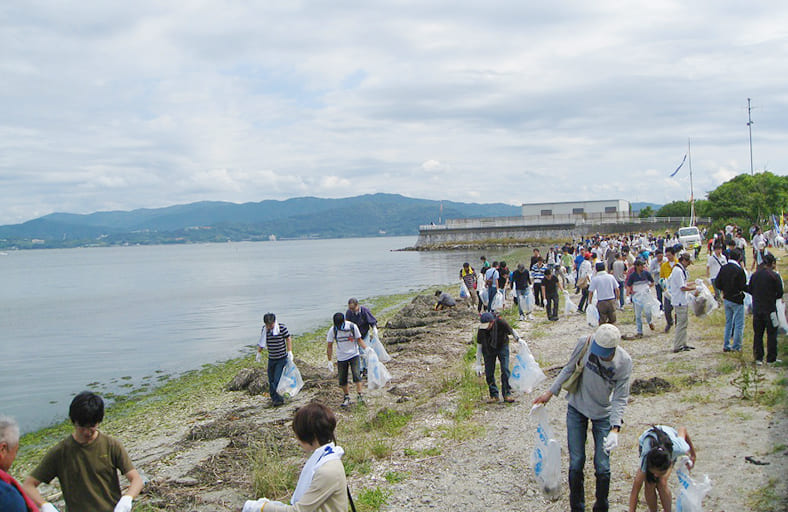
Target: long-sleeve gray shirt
{"x":604,"y":386}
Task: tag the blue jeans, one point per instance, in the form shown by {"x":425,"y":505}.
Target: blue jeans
{"x":521,"y":298}
{"x":491,"y":292}
{"x":734,"y":324}
{"x":621,"y":293}
{"x":489,"y":371}
{"x":275,"y":367}
{"x":576,"y":433}
{"x":640,"y":310}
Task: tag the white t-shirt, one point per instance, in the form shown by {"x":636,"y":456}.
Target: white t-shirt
{"x":345,"y":338}
{"x":677,"y":279}
{"x":604,"y":285}
{"x":714,"y":264}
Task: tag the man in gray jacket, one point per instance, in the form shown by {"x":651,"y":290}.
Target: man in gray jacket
{"x":601,"y":397}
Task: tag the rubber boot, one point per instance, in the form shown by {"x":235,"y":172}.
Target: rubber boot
{"x":602,"y":490}
{"x":577,"y":497}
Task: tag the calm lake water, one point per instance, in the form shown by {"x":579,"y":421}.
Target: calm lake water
{"x":125,"y":315}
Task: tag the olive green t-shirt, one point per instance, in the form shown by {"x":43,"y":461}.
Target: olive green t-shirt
{"x":88,"y":474}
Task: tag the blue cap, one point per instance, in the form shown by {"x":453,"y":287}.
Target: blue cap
{"x":486,"y":318}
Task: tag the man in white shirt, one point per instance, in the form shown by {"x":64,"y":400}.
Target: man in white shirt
{"x":348,"y":339}
{"x":714,"y":264}
{"x":606,"y":288}
{"x":679,"y":286}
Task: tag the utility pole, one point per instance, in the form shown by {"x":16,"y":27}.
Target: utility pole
{"x":749,"y":125}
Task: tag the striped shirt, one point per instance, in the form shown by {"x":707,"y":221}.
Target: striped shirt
{"x":277,"y":346}
{"x":537,"y":273}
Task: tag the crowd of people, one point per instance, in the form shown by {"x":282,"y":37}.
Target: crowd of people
{"x":603,"y":270}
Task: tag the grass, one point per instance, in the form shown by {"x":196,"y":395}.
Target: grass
{"x":426,"y":452}
{"x":769,"y":498}
{"x":395,"y":477}
{"x":370,"y":500}
{"x":272,"y":476}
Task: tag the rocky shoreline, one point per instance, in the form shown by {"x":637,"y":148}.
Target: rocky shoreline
{"x":456,"y":453}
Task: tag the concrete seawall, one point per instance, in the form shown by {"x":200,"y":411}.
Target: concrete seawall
{"x":513,"y":228}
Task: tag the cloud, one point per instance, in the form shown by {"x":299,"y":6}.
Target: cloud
{"x":126,"y":106}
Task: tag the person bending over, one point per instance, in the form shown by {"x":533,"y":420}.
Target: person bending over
{"x":659,"y":447}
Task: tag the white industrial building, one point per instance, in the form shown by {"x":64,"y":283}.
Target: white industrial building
{"x":612,"y":207}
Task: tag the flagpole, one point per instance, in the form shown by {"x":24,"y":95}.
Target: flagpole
{"x":692,"y":194}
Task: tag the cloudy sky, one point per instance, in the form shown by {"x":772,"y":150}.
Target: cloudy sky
{"x":123,"y":105}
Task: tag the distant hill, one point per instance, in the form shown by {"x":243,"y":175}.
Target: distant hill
{"x":636,"y":207}
{"x":207,"y":221}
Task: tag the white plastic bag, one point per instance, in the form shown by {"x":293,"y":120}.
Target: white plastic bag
{"x":529,"y":302}
{"x":783,"y":323}
{"x":747,"y":303}
{"x":526,"y":374}
{"x":498,"y":301}
{"x":330,"y":366}
{"x":546,"y":457}
{"x":691,"y":492}
{"x":377,"y":346}
{"x":464,"y":293}
{"x":592,"y":315}
{"x":478,"y":366}
{"x":483,"y":294}
{"x":377,"y":374}
{"x":654,"y":306}
{"x":703,"y":303}
{"x":291,"y":382}
{"x":569,"y":306}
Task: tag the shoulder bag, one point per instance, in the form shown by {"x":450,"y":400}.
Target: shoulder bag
{"x":572,"y":384}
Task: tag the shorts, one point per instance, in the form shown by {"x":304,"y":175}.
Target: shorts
{"x":355,"y":366}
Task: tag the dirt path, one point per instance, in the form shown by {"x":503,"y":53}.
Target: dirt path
{"x":198,"y":457}
{"x":493,"y":473}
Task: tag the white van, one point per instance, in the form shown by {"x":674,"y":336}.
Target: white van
{"x":690,"y":238}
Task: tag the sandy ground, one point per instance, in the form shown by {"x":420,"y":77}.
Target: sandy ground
{"x":197,"y":458}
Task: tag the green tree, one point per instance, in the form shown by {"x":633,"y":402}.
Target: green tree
{"x":674,"y":209}
{"x":646,"y":212}
{"x":750,"y":197}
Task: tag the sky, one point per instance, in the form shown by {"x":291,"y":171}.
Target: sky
{"x":145,"y":104}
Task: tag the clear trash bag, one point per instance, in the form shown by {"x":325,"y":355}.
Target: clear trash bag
{"x":546,"y":456}
{"x":291,"y":382}
{"x":526,"y":374}
{"x":377,"y":374}
{"x":691,"y":492}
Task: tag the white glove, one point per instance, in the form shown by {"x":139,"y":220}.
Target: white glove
{"x":124,"y":505}
{"x":254,"y":505}
{"x":330,"y":366}
{"x":290,"y":357}
{"x":258,"y":357}
{"x":611,"y":441}
{"x":47,"y":507}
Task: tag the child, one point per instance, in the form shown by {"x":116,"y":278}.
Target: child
{"x":659,"y":447}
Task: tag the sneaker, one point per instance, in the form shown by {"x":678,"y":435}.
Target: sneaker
{"x":758,"y":363}
{"x":508,"y":399}
{"x":522,"y":317}
{"x":638,"y":335}
{"x":775,"y":362}
{"x":346,"y":402}
{"x":726,"y":349}
{"x":360,"y":399}
{"x":492,"y":400}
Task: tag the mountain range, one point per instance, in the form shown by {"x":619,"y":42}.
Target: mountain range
{"x":213,"y":221}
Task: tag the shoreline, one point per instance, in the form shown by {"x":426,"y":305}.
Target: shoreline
{"x":199,"y":452}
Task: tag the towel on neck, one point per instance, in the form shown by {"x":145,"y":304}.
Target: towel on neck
{"x":319,"y":457}
{"x":263,"y":343}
